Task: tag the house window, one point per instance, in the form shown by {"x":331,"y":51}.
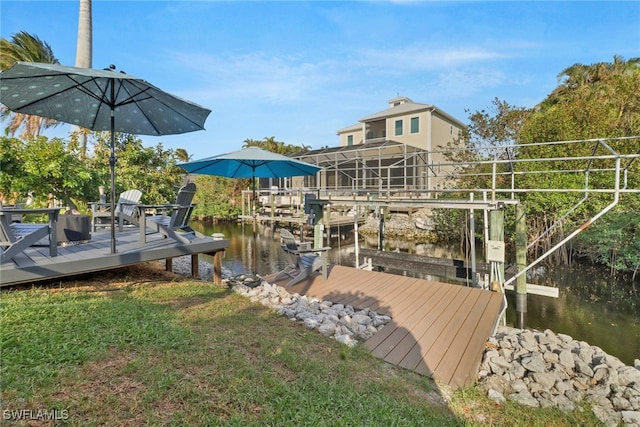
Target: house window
{"x":450,"y":129}
{"x":415,"y":125}
{"x":350,"y":140}
{"x":398,"y":127}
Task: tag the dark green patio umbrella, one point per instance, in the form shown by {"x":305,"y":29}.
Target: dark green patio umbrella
{"x":99,"y":100}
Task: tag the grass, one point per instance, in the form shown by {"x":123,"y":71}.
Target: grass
{"x":139,"y":346}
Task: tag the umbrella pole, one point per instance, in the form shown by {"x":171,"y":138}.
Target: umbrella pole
{"x":112,"y":164}
{"x":255,"y":256}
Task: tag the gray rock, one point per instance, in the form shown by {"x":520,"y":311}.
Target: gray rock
{"x":534,"y":363}
{"x":631,"y":417}
{"x":582,"y":367}
{"x":551,"y":357}
{"x":500,"y":362}
{"x":311,"y":322}
{"x":563,"y":403}
{"x":608,"y":417}
{"x":496,"y":396}
{"x":562,"y":386}
{"x":327,"y":328}
{"x":613,"y":361}
{"x":498,"y":384}
{"x":586,"y":353}
{"x":518,"y":386}
{"x":575,"y":396}
{"x":346,"y":339}
{"x":362,"y":319}
{"x":628,"y":375}
{"x":517,"y":370}
{"x":544,"y":379}
{"x":621,"y":404}
{"x":566,"y":360}
{"x":525,"y":398}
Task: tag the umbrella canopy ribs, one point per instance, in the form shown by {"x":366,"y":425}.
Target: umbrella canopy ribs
{"x":98,"y":100}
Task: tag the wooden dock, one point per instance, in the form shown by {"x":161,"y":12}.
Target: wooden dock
{"x":437,"y":329}
{"x":35,"y":264}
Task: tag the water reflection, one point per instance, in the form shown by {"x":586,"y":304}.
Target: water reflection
{"x":589,"y":307}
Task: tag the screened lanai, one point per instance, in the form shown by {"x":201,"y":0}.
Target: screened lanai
{"x":378,"y":166}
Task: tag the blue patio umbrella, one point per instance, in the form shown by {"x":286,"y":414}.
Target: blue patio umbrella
{"x":99,"y":100}
{"x":251,"y":163}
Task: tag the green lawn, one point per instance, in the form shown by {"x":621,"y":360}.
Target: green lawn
{"x":142,"y":347}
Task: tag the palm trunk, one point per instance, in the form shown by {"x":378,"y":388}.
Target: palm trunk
{"x":84,"y":51}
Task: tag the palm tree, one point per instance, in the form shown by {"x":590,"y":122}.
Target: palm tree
{"x":29,"y":48}
{"x":182,"y":155}
{"x":84,"y":52}
{"x":578,"y":76}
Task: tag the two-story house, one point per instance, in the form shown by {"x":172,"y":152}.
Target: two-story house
{"x":419,"y":125}
{"x":399,"y":148}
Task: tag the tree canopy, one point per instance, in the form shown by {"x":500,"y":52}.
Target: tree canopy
{"x":591,"y":102}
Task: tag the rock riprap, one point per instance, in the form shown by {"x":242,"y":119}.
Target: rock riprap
{"x":339,"y":321}
{"x":545,"y":369}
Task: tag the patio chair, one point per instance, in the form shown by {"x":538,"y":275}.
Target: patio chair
{"x":302,"y":260}
{"x":15,"y":237}
{"x":125,"y":211}
{"x":176,"y":223}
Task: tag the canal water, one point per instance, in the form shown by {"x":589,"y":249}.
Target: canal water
{"x":592,"y":306}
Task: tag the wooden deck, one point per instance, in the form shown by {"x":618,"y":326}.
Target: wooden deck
{"x":35,"y":264}
{"x":437,"y":329}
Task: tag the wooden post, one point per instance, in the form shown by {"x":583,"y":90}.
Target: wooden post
{"x":326,"y":215}
{"x":382,"y":213}
{"x":168,"y":264}
{"x":217,"y":266}
{"x":194,"y":266}
{"x":244,"y":211}
{"x":521,"y":261}
{"x":316,"y":211}
{"x":272,"y":198}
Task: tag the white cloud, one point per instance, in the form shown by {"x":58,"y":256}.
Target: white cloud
{"x":275,"y":79}
{"x":414,"y":58}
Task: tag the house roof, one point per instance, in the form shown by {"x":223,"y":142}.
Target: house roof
{"x":344,"y":148}
{"x":405,"y":107}
{"x":352,"y":128}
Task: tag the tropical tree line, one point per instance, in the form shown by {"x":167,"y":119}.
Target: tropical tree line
{"x":600,"y":100}
{"x":55,"y":171}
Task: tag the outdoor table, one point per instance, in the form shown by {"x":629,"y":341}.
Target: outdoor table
{"x":53,"y":221}
{"x":73,"y":228}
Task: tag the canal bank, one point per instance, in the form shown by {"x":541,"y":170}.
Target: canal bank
{"x":590,"y":307}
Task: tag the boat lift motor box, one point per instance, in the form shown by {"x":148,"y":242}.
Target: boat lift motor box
{"x":314,"y":208}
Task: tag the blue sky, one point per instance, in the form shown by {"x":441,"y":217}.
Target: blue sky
{"x":299,"y":71}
